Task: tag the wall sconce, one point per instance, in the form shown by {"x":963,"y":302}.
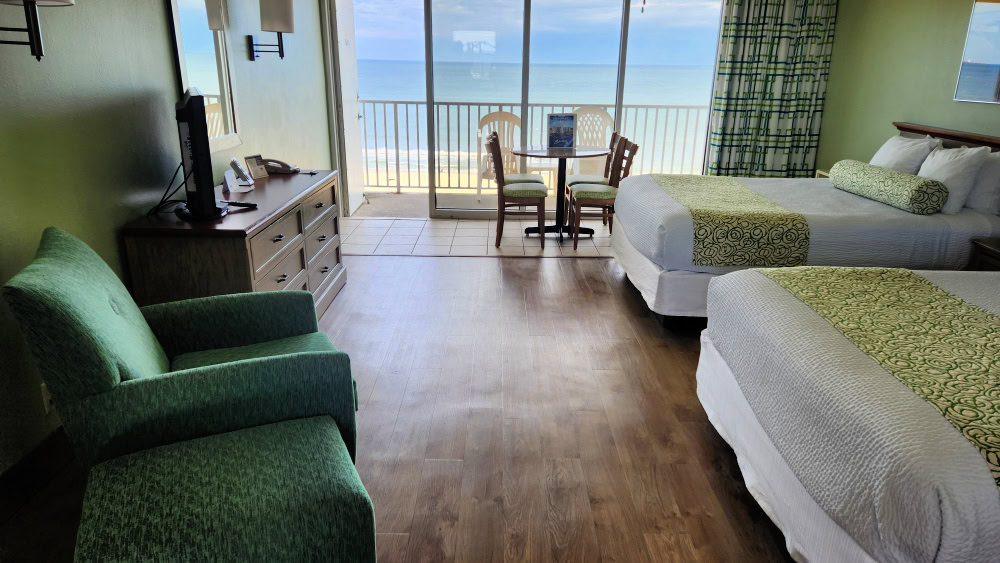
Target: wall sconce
{"x":32,"y":27}
{"x":275,"y":15}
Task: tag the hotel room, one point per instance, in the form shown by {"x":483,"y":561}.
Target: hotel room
{"x":535,"y":280}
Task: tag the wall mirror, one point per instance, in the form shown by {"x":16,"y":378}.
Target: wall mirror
{"x":979,"y":76}
{"x":203,"y":63}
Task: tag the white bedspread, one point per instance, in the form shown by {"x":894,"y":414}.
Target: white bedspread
{"x":844,"y":229}
{"x":880,"y":460}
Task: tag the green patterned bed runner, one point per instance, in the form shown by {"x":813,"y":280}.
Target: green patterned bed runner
{"x":733,"y":226}
{"x":944,"y":349}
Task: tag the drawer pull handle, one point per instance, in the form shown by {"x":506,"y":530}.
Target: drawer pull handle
{"x":325,"y":270}
{"x":282,"y":278}
{"x":278,"y":238}
{"x":320,"y":205}
{"x":322,"y":238}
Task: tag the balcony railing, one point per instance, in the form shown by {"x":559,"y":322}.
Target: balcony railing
{"x":394,"y":135}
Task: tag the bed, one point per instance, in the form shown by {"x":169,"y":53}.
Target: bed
{"x":851,"y":464}
{"x":653,"y":232}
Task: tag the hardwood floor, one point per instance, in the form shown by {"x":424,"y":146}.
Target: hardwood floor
{"x":512,"y":409}
{"x":535,"y":410}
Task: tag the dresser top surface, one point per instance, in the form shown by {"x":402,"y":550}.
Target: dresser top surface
{"x":274,"y":196}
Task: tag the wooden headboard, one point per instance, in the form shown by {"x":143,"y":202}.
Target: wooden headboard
{"x":951,"y":137}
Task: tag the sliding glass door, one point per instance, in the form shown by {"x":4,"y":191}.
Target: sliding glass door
{"x":476,"y":67}
{"x":667,"y":92}
{"x":573,"y":69}
{"x":642,"y":69}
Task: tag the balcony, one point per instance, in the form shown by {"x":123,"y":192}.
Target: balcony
{"x":395,"y":149}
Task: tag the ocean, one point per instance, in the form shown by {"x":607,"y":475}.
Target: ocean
{"x":978,"y":82}
{"x":548,"y":83}
{"x":666,"y":113}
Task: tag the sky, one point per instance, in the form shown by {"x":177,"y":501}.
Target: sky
{"x":675,"y":32}
{"x":983,"y":44}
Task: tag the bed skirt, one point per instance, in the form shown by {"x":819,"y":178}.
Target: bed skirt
{"x":675,"y":293}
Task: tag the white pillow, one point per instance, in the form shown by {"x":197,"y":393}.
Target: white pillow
{"x":956,"y":169}
{"x":985,"y":194}
{"x":905,"y":154}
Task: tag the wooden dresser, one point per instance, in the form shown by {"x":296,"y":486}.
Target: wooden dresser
{"x":291,"y":241}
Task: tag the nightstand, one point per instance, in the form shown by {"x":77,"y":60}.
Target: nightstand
{"x":822,"y":173}
{"x":985,"y":255}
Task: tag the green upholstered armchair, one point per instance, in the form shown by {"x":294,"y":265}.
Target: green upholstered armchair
{"x":168,"y":401}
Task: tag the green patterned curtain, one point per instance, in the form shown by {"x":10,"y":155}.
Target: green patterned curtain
{"x":774,"y":61}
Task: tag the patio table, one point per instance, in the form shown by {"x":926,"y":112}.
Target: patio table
{"x":561,"y":154}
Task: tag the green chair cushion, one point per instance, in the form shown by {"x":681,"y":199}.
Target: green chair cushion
{"x":82,"y":326}
{"x":523,"y":179}
{"x":574,"y":179}
{"x":311,"y":342}
{"x":280,"y":492}
{"x":594,"y":191}
{"x":524,"y":190}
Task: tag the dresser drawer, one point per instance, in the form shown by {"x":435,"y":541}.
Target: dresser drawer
{"x":286,"y":273}
{"x":299,"y":283}
{"x":317,"y":207}
{"x":267,"y":246}
{"x":325,"y":268}
{"x":319,"y":238}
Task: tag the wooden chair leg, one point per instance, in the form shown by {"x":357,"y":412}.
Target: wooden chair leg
{"x":576,"y":224}
{"x":541,"y":221}
{"x":611,"y":219}
{"x":569,"y":212}
{"x":604,"y":216}
{"x":499,"y":224}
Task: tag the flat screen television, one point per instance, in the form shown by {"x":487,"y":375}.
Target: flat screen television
{"x":196,"y":156}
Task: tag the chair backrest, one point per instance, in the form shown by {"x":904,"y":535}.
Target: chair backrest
{"x":631,"y":149}
{"x":614,"y":141}
{"x":81,"y":325}
{"x":493,"y":151}
{"x":617,"y":162}
{"x":507,"y":127}
{"x":592,"y":126}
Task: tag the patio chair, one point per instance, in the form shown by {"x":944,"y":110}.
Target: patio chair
{"x":601,"y":196}
{"x":505,"y":125}
{"x":511,"y":194}
{"x":593,"y":123}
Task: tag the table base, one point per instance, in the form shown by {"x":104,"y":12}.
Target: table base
{"x":559,"y":229}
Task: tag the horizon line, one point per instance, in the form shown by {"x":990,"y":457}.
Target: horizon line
{"x":518,"y":63}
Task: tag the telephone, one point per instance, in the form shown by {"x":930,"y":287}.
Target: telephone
{"x":275,"y":166}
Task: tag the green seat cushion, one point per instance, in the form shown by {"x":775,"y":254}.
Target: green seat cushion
{"x":280,"y":492}
{"x":586,"y":179}
{"x":594,"y":191}
{"x":524,"y":190}
{"x":309,"y":342}
{"x":523,"y":179}
{"x":921,"y":196}
{"x":82,"y":326}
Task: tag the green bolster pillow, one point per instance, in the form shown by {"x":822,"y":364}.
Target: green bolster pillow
{"x":922,"y":196}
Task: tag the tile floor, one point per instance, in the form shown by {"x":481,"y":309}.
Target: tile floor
{"x":462,"y":237}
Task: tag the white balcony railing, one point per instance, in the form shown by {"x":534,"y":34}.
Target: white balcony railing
{"x":671,"y":140}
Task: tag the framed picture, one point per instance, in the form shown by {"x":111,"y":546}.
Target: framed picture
{"x":979,"y":75}
{"x":562,"y":130}
{"x":256,"y":165}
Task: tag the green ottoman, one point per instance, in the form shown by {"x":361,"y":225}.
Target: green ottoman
{"x":281,"y":492}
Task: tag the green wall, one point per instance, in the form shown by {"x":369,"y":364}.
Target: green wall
{"x":896,"y":60}
{"x":88,"y":140}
